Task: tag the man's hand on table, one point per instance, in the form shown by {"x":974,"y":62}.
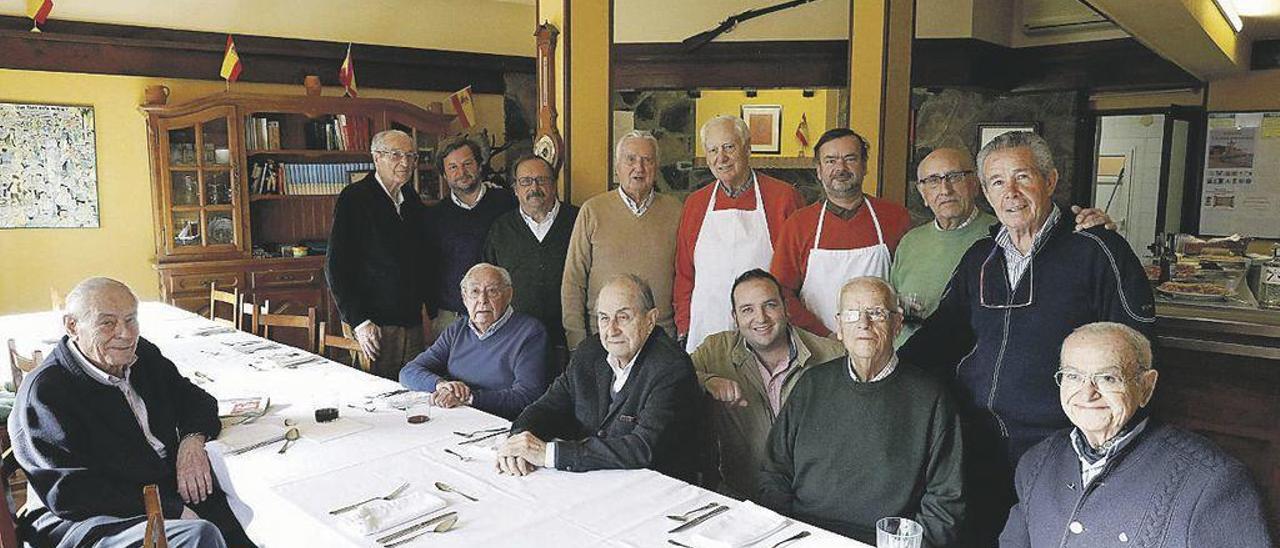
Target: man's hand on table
{"x":195,"y":479}
{"x":451,"y":394}
{"x":725,"y":391}
{"x":521,"y":454}
{"x":369,"y":335}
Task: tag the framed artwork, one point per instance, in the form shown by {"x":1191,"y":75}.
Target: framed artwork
{"x":765,"y":125}
{"x":987,"y":132}
{"x":49,"y":172}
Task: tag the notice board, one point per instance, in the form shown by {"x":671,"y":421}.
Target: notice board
{"x":1241,"y":190}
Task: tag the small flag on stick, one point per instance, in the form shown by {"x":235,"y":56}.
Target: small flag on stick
{"x":802,"y":134}
{"x":464,"y":107}
{"x":231,"y":66}
{"x":347,"y":74}
{"x":38,"y":11}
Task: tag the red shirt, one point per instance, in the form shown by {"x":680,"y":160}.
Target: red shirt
{"x":780,"y":201}
{"x":791,"y":248}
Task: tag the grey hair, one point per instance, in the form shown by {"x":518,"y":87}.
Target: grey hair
{"x":891,"y":294}
{"x":1137,"y":346}
{"x":634,"y":134}
{"x":1040,"y":151}
{"x":381,"y":138}
{"x":739,"y":126}
{"x":647,"y":302}
{"x":80,"y":300}
{"x":471,"y":272}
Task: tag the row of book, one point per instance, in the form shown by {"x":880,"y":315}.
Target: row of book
{"x":269,"y":176}
{"x":262,"y":133}
{"x":338,"y":132}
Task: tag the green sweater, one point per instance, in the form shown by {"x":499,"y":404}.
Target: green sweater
{"x":926,"y":257}
{"x":536,"y":267}
{"x":843,"y":454}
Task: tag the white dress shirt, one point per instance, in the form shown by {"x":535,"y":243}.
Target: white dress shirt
{"x":620,"y":376}
{"x":397,"y":199}
{"x":888,"y":370}
{"x":637,"y":208}
{"x":484,"y":187}
{"x":135,"y":402}
{"x":540,"y":229}
{"x":1015,"y":262}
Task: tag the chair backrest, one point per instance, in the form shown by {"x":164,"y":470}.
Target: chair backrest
{"x":153,"y":536}
{"x":232,"y":299}
{"x":56,"y":300}
{"x":8,"y":518}
{"x":20,"y":365}
{"x":252,"y":311}
{"x":343,"y":342}
{"x":308,"y":322}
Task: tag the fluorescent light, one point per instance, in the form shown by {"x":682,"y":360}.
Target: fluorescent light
{"x":1256,"y":8}
{"x":1228,"y":9}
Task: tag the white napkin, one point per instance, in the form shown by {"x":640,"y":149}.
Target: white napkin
{"x":381,"y":515}
{"x":244,"y":435}
{"x":743,"y":525}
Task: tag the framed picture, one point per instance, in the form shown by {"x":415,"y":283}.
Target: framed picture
{"x":49,"y":166}
{"x":765,"y":123}
{"x":987,"y":132}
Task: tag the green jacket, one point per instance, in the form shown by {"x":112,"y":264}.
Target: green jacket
{"x":740,"y":432}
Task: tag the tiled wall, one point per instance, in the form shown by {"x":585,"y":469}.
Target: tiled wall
{"x":1139,"y":138}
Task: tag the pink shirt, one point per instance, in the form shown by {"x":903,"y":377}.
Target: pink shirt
{"x":774,"y":377}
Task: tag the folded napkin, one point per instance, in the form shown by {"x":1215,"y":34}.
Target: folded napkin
{"x":381,"y":515}
{"x":743,"y":525}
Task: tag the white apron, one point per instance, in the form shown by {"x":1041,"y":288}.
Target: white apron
{"x":732,"y":241}
{"x":828,"y":269}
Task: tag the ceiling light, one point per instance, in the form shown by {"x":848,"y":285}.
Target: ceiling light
{"x":1256,"y":8}
{"x":1228,"y":9}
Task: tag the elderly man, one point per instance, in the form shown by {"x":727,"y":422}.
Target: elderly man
{"x":532,"y":243}
{"x":827,"y":243}
{"x":494,"y":359}
{"x":726,"y":228}
{"x":376,"y":267}
{"x":751,"y":372}
{"x":1014,"y":297}
{"x":629,"y":400}
{"x":631,"y":231}
{"x":461,"y":221}
{"x":107,"y":414}
{"x":928,"y":254}
{"x":865,"y":437}
{"x":1140,"y":482}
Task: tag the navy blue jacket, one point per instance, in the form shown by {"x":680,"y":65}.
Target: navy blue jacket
{"x":1003,"y":359}
{"x":83,"y":453}
{"x":459,"y":234}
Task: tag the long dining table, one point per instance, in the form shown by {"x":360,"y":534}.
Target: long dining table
{"x":285,"y":499}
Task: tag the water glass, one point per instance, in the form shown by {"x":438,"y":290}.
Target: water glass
{"x":417,"y":411}
{"x":898,"y":533}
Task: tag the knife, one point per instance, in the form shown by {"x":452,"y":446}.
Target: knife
{"x":482,"y":438}
{"x":418,"y":527}
{"x":704,"y":517}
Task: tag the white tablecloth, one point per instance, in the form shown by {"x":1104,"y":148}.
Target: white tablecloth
{"x":283,"y":500}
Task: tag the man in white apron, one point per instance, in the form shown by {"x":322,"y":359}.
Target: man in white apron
{"x":715,"y":246}
{"x":846,"y":236}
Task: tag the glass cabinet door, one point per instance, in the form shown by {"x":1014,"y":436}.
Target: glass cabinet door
{"x":200,"y":183}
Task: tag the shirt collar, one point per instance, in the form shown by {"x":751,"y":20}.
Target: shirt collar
{"x":1006,"y":241}
{"x":751,"y":183}
{"x":492,"y":328}
{"x":884,"y":373}
{"x":97,"y":374}
{"x":972,"y":215}
{"x":484,"y":187}
{"x":551,"y":215}
{"x":397,"y":199}
{"x":637,"y":208}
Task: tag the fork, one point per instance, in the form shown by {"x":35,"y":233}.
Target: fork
{"x":685,"y":516}
{"x":479,"y":432}
{"x":389,"y":496}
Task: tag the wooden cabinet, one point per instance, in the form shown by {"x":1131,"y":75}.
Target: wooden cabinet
{"x":220,"y":219}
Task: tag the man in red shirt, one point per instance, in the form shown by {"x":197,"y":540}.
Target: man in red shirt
{"x":845,"y":236}
{"x":727,"y":228}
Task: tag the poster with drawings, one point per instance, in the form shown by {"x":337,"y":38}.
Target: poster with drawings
{"x":1241,"y":190}
{"x":48,"y":167}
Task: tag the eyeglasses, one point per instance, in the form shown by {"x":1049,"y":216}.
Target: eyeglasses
{"x":530,"y":181}
{"x":852,"y":315}
{"x":982,"y":284}
{"x":1073,"y":380}
{"x":951,"y":177}
{"x":475,"y":292}
{"x":397,"y":155}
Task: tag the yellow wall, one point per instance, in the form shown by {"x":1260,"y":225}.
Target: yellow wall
{"x":123,"y":246}
{"x":819,"y":110}
{"x":1254,"y":90}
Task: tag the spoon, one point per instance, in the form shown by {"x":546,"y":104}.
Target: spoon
{"x":289,"y":437}
{"x":685,"y":516}
{"x":444,"y":525}
{"x":449,"y":489}
{"x":791,"y":538}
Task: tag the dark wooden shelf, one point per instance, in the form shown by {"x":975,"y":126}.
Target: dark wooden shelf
{"x":308,"y":154}
{"x":271,"y":197}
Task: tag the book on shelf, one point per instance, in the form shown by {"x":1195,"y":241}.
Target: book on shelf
{"x":338,"y":132}
{"x":291,"y":179}
{"x":262,"y":133}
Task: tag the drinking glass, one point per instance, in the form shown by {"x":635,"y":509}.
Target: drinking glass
{"x":898,"y":533}
{"x":417,"y":410}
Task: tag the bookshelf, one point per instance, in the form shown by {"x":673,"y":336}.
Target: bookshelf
{"x":238,"y":177}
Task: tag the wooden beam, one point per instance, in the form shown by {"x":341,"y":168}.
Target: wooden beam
{"x":880,"y":90}
{"x":814,"y":63}
{"x":1194,"y":34}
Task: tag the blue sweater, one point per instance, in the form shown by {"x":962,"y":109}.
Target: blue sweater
{"x":458,"y":235}
{"x":506,"y":371}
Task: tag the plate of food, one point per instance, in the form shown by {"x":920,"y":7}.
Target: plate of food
{"x":1195,"y":291}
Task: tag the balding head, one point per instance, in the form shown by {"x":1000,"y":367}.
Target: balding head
{"x":625,"y":315}
{"x":948,"y":185}
{"x":101,"y":320}
{"x":869,"y":338}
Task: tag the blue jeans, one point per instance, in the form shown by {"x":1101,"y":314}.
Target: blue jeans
{"x":182,"y":533}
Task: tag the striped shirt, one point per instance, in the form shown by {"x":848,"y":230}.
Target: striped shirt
{"x":1015,"y":261}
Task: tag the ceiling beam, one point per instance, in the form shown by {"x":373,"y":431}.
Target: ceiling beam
{"x":1192,"y":34}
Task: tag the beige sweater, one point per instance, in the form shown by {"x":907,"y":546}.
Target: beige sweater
{"x":608,"y":239}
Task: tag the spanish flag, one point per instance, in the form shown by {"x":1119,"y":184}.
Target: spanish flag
{"x":38,"y":11}
{"x":230,"y":62}
{"x":802,"y":133}
{"x":347,"y":74}
{"x":464,"y":107}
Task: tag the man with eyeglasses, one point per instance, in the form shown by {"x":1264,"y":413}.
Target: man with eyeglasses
{"x":532,"y":242}
{"x":1012,"y":300}
{"x":494,"y":359}
{"x":376,"y":267}
{"x":727,"y":228}
{"x":866,"y":436}
{"x":844,"y":236}
{"x":1118,"y":477}
{"x":461,"y":221}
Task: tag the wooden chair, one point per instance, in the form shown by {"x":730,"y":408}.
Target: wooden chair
{"x":232,"y":299}
{"x":20,"y":365}
{"x":56,"y":300}
{"x":345,"y":341}
{"x":308,"y":322}
{"x":10,"y":532}
{"x":153,"y":536}
{"x":252,"y":311}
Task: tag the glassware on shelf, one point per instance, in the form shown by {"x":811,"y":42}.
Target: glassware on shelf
{"x":1269,"y":282}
